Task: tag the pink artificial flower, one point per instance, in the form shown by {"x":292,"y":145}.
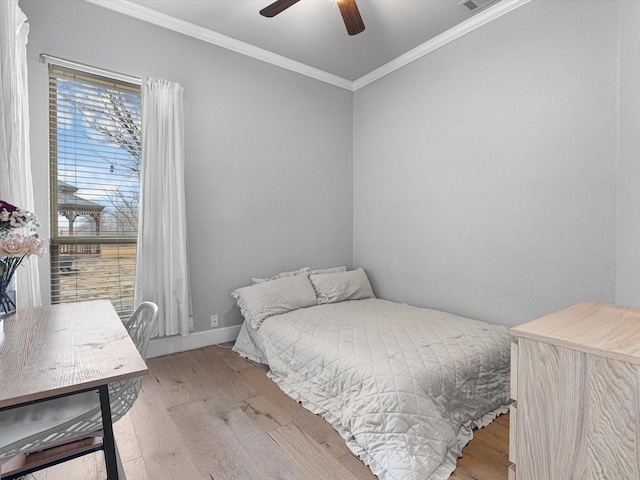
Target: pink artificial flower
{"x":35,"y":245}
{"x":14,"y":246}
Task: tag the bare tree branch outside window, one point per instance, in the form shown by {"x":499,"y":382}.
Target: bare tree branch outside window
{"x":115,"y":120}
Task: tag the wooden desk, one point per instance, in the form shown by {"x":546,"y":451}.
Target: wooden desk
{"x":65,"y":349}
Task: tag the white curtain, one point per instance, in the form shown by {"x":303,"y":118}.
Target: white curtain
{"x":16,"y":185}
{"x":162,"y":274}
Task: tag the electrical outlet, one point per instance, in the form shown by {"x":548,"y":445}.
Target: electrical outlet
{"x":214,"y":321}
{"x":191,"y":327}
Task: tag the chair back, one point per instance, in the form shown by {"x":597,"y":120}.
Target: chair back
{"x":141,"y":325}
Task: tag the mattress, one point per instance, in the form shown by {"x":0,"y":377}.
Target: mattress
{"x":404,"y":386}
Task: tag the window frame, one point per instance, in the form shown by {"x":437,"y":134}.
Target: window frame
{"x":84,"y":73}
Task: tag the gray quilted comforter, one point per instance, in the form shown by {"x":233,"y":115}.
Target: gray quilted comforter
{"x":403,"y":385}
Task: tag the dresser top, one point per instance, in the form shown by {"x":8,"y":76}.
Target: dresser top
{"x":606,"y":330}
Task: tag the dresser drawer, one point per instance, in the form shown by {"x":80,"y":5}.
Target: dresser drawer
{"x":513,"y":428}
{"x":514,"y":369}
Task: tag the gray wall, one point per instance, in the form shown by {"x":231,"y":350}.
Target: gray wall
{"x":268,"y":151}
{"x":485,"y":175}
{"x":628,"y":281}
{"x":485,"y":172}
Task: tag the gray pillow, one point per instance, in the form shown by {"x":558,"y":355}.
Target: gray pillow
{"x":341,"y":286}
{"x":263,"y":300}
{"x":329,"y":270}
{"x":300,"y":271}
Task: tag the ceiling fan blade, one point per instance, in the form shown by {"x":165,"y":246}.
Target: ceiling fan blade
{"x":277,"y":7}
{"x":351,"y":16}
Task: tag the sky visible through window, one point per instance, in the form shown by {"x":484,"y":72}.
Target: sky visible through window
{"x":97,"y":147}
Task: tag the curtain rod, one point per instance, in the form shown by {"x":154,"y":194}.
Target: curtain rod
{"x":63,"y":62}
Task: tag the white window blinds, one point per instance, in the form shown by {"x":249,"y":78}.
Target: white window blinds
{"x":95,"y":153}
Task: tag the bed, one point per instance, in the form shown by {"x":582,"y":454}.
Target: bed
{"x":403,"y":385}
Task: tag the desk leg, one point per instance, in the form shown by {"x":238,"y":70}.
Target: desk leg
{"x":109,"y":444}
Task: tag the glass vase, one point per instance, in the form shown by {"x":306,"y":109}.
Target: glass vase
{"x":8,"y":297}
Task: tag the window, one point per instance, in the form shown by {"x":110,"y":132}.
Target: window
{"x":95,"y":153}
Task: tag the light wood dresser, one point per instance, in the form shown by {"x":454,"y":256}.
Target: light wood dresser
{"x":575,"y":382}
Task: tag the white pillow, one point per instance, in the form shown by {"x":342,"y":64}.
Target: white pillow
{"x":329,"y":270}
{"x":261,"y":301}
{"x":341,"y":286}
{"x":293,"y":273}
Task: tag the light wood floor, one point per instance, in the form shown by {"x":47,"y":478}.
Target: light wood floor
{"x":209,"y":414}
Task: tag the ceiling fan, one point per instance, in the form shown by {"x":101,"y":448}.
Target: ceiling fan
{"x":348,"y":9}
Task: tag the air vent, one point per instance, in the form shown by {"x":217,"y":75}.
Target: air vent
{"x":473,"y":5}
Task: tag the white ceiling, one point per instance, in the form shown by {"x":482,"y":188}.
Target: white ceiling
{"x":311,"y":35}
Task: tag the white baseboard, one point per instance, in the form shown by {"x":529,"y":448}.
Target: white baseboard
{"x":178,"y":343}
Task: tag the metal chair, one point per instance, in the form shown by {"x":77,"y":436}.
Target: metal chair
{"x":50,"y":423}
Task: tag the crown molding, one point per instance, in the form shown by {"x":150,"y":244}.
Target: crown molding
{"x":478,"y":20}
{"x":186,"y":28}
